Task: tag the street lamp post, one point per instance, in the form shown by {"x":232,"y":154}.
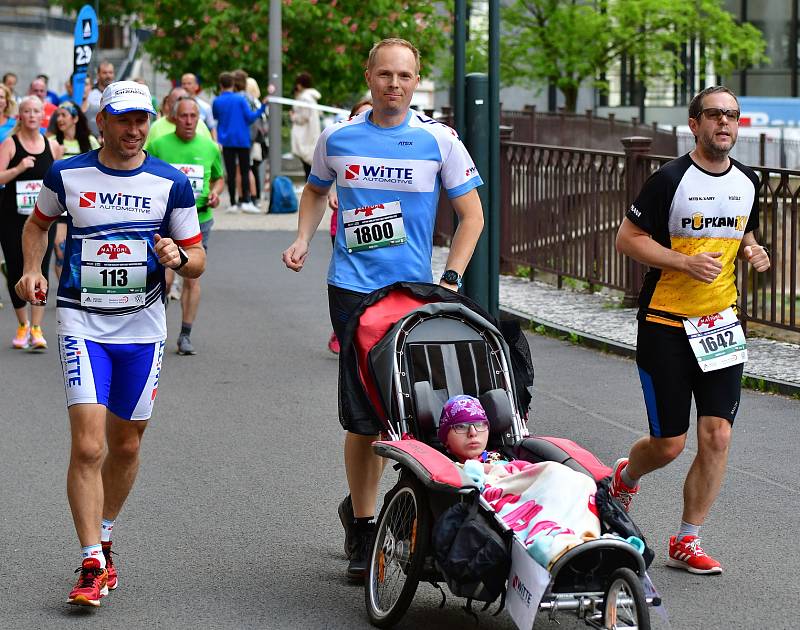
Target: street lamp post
{"x":275,"y":63}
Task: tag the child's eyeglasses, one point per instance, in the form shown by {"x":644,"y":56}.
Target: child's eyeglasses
{"x":480,"y":427}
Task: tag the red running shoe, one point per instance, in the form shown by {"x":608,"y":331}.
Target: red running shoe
{"x":92,"y":584}
{"x":112,"y":570}
{"x":687,"y":553}
{"x":333,"y":344}
{"x":623,"y":493}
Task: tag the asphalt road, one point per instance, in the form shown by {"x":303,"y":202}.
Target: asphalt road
{"x":232,"y":523}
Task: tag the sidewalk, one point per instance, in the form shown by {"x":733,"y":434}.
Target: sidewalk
{"x":593,"y":319}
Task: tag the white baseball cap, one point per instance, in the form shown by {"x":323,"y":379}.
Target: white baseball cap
{"x":126,"y":96}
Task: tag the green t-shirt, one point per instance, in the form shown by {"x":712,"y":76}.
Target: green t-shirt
{"x":199,"y":159}
{"x":162,"y":126}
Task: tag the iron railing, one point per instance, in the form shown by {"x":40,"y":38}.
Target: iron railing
{"x":561,"y":208}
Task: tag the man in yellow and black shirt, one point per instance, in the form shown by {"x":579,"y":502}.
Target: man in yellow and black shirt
{"x":691,"y":220}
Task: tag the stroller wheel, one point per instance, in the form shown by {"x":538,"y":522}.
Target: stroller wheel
{"x":624,"y":602}
{"x":398,"y":553}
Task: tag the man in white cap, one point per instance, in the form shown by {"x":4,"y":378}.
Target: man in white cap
{"x":130,"y":217}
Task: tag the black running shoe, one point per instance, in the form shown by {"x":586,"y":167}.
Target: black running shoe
{"x":348,"y":522}
{"x":362,"y":546}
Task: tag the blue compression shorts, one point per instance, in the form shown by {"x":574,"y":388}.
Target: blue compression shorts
{"x":121,"y":377}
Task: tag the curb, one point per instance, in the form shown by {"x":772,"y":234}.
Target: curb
{"x":750,"y":381}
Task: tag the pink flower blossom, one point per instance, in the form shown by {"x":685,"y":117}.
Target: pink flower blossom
{"x":346,"y":20}
{"x":353,"y":27}
{"x":340,"y":49}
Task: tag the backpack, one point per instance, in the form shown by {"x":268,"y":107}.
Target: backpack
{"x":473,"y":556}
{"x":615,"y":520}
{"x":282,"y":199}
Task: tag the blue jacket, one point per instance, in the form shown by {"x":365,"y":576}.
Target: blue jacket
{"x":234,"y":118}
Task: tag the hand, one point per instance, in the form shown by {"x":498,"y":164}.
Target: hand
{"x":27,"y":162}
{"x":167,"y":252}
{"x":295,"y":256}
{"x":333,"y":200}
{"x":757,"y":256}
{"x":704,"y":267}
{"x":265,"y":100}
{"x":213,"y":199}
{"x":449,"y":287}
{"x":32,"y":287}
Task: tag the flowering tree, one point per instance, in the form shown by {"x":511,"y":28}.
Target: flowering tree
{"x":328,"y":38}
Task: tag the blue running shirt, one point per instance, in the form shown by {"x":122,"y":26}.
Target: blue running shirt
{"x":117,"y":214}
{"x":373,"y":165}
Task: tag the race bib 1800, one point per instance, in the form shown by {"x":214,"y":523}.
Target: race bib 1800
{"x":113,"y":273}
{"x":717,"y":340}
{"x":376,"y":226}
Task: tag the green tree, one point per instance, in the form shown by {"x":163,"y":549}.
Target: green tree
{"x":328,"y":38}
{"x":568,"y":43}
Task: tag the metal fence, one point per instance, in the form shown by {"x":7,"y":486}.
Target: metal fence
{"x":561,"y":208}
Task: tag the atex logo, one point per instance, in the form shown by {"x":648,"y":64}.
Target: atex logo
{"x":113,"y":250}
{"x":114,"y":201}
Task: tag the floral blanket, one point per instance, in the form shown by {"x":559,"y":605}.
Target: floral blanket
{"x":549,"y":506}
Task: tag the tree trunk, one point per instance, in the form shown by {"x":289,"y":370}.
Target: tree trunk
{"x":570,"y":99}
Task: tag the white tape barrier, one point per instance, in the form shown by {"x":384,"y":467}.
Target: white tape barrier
{"x":323,"y":108}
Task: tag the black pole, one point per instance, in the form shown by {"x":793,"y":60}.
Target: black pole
{"x":476,"y":139}
{"x":459,"y":64}
{"x":493,"y":228}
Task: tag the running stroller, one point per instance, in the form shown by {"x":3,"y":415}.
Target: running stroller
{"x":408,"y":348}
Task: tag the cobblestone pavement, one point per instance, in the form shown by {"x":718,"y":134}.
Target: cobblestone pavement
{"x":597,"y":318}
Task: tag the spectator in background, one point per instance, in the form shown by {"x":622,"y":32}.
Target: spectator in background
{"x":72,"y":134}
{"x":234,"y":116}
{"x":38,"y":88}
{"x":25,"y":157}
{"x":52,"y":97}
{"x":8,"y":107}
{"x":166,"y":124}
{"x":190,"y":83}
{"x":305,"y":121}
{"x":10,"y":81}
{"x":91,"y":105}
{"x":258,"y":137}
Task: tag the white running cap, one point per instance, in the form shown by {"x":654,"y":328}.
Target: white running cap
{"x":126,"y":96}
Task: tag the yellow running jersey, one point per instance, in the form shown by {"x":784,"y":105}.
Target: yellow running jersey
{"x":690,"y":210}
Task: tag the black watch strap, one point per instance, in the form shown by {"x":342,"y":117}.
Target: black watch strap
{"x":184,"y":258}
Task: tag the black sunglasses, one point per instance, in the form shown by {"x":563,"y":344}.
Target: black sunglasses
{"x":716,"y":114}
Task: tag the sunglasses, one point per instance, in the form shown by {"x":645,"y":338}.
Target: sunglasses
{"x":716,"y":114}
{"x":462,"y":427}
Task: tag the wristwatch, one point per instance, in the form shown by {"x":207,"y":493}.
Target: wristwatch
{"x":184,"y":258}
{"x":452,"y":277}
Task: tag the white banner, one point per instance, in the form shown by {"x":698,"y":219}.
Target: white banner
{"x":323,"y":108}
{"x":527,"y":582}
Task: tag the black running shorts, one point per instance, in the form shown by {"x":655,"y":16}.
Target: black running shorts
{"x":670,"y":376}
{"x":359,"y":417}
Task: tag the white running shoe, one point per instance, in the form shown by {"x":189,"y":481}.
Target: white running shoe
{"x":232,"y":209}
{"x":248,"y":207}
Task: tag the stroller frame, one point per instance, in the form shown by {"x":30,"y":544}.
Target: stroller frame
{"x":602,"y":581}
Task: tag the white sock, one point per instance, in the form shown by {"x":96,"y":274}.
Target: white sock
{"x":688,"y":529}
{"x":627,"y":479}
{"x":105,"y":530}
{"x":94,"y":551}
